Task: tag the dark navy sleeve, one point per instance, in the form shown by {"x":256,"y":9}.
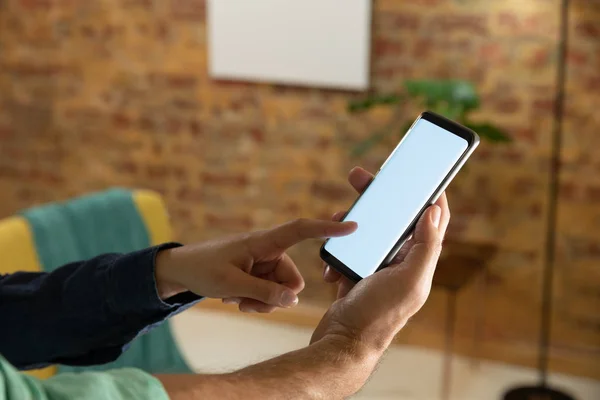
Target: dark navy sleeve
{"x":83,"y":313}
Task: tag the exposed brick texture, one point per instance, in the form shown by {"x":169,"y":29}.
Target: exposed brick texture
{"x":116,"y":92}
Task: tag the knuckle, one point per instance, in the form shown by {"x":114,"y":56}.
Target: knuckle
{"x":420,"y":294}
{"x":299,"y":222}
{"x":301,"y":285}
{"x":299,"y":226}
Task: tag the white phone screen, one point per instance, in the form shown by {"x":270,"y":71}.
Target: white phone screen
{"x":406,"y":182}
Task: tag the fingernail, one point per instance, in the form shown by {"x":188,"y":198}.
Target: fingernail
{"x":436,"y":214}
{"x":231,"y":301}
{"x":289,"y":299}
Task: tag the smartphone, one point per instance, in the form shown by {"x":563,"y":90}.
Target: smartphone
{"x":410,"y":180}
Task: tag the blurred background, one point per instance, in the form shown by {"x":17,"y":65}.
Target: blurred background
{"x":118,"y":93}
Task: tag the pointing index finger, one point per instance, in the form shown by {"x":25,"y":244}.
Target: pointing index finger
{"x":291,"y":233}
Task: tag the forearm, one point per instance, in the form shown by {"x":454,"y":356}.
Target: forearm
{"x":331,"y":368}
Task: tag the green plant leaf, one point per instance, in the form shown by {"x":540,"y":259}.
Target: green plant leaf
{"x":451,"y":111}
{"x":465,"y":95}
{"x":454,"y":99}
{"x":430,"y":91}
{"x":490,"y":132}
{"x":355,"y":106}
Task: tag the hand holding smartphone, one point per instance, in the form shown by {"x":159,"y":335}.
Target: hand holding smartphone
{"x":410,"y":180}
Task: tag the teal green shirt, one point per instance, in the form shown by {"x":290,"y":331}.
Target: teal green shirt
{"x":117,"y":384}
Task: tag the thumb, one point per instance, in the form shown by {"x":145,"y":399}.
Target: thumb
{"x":268,"y":292}
{"x":424,"y":254}
{"x":428,"y":224}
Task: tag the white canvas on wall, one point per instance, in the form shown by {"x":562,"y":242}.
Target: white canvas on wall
{"x":323,"y":43}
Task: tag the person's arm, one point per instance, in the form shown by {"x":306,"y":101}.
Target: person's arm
{"x":85,"y":312}
{"x":352,"y":336}
{"x":331,"y":368}
{"x":349,"y":340}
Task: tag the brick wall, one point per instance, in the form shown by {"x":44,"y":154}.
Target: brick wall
{"x":116,"y":92}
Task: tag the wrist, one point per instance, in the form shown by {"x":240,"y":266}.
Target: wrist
{"x":164,"y":271}
{"x":353,"y":361}
{"x":333,"y":367}
{"x":353,"y":350}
